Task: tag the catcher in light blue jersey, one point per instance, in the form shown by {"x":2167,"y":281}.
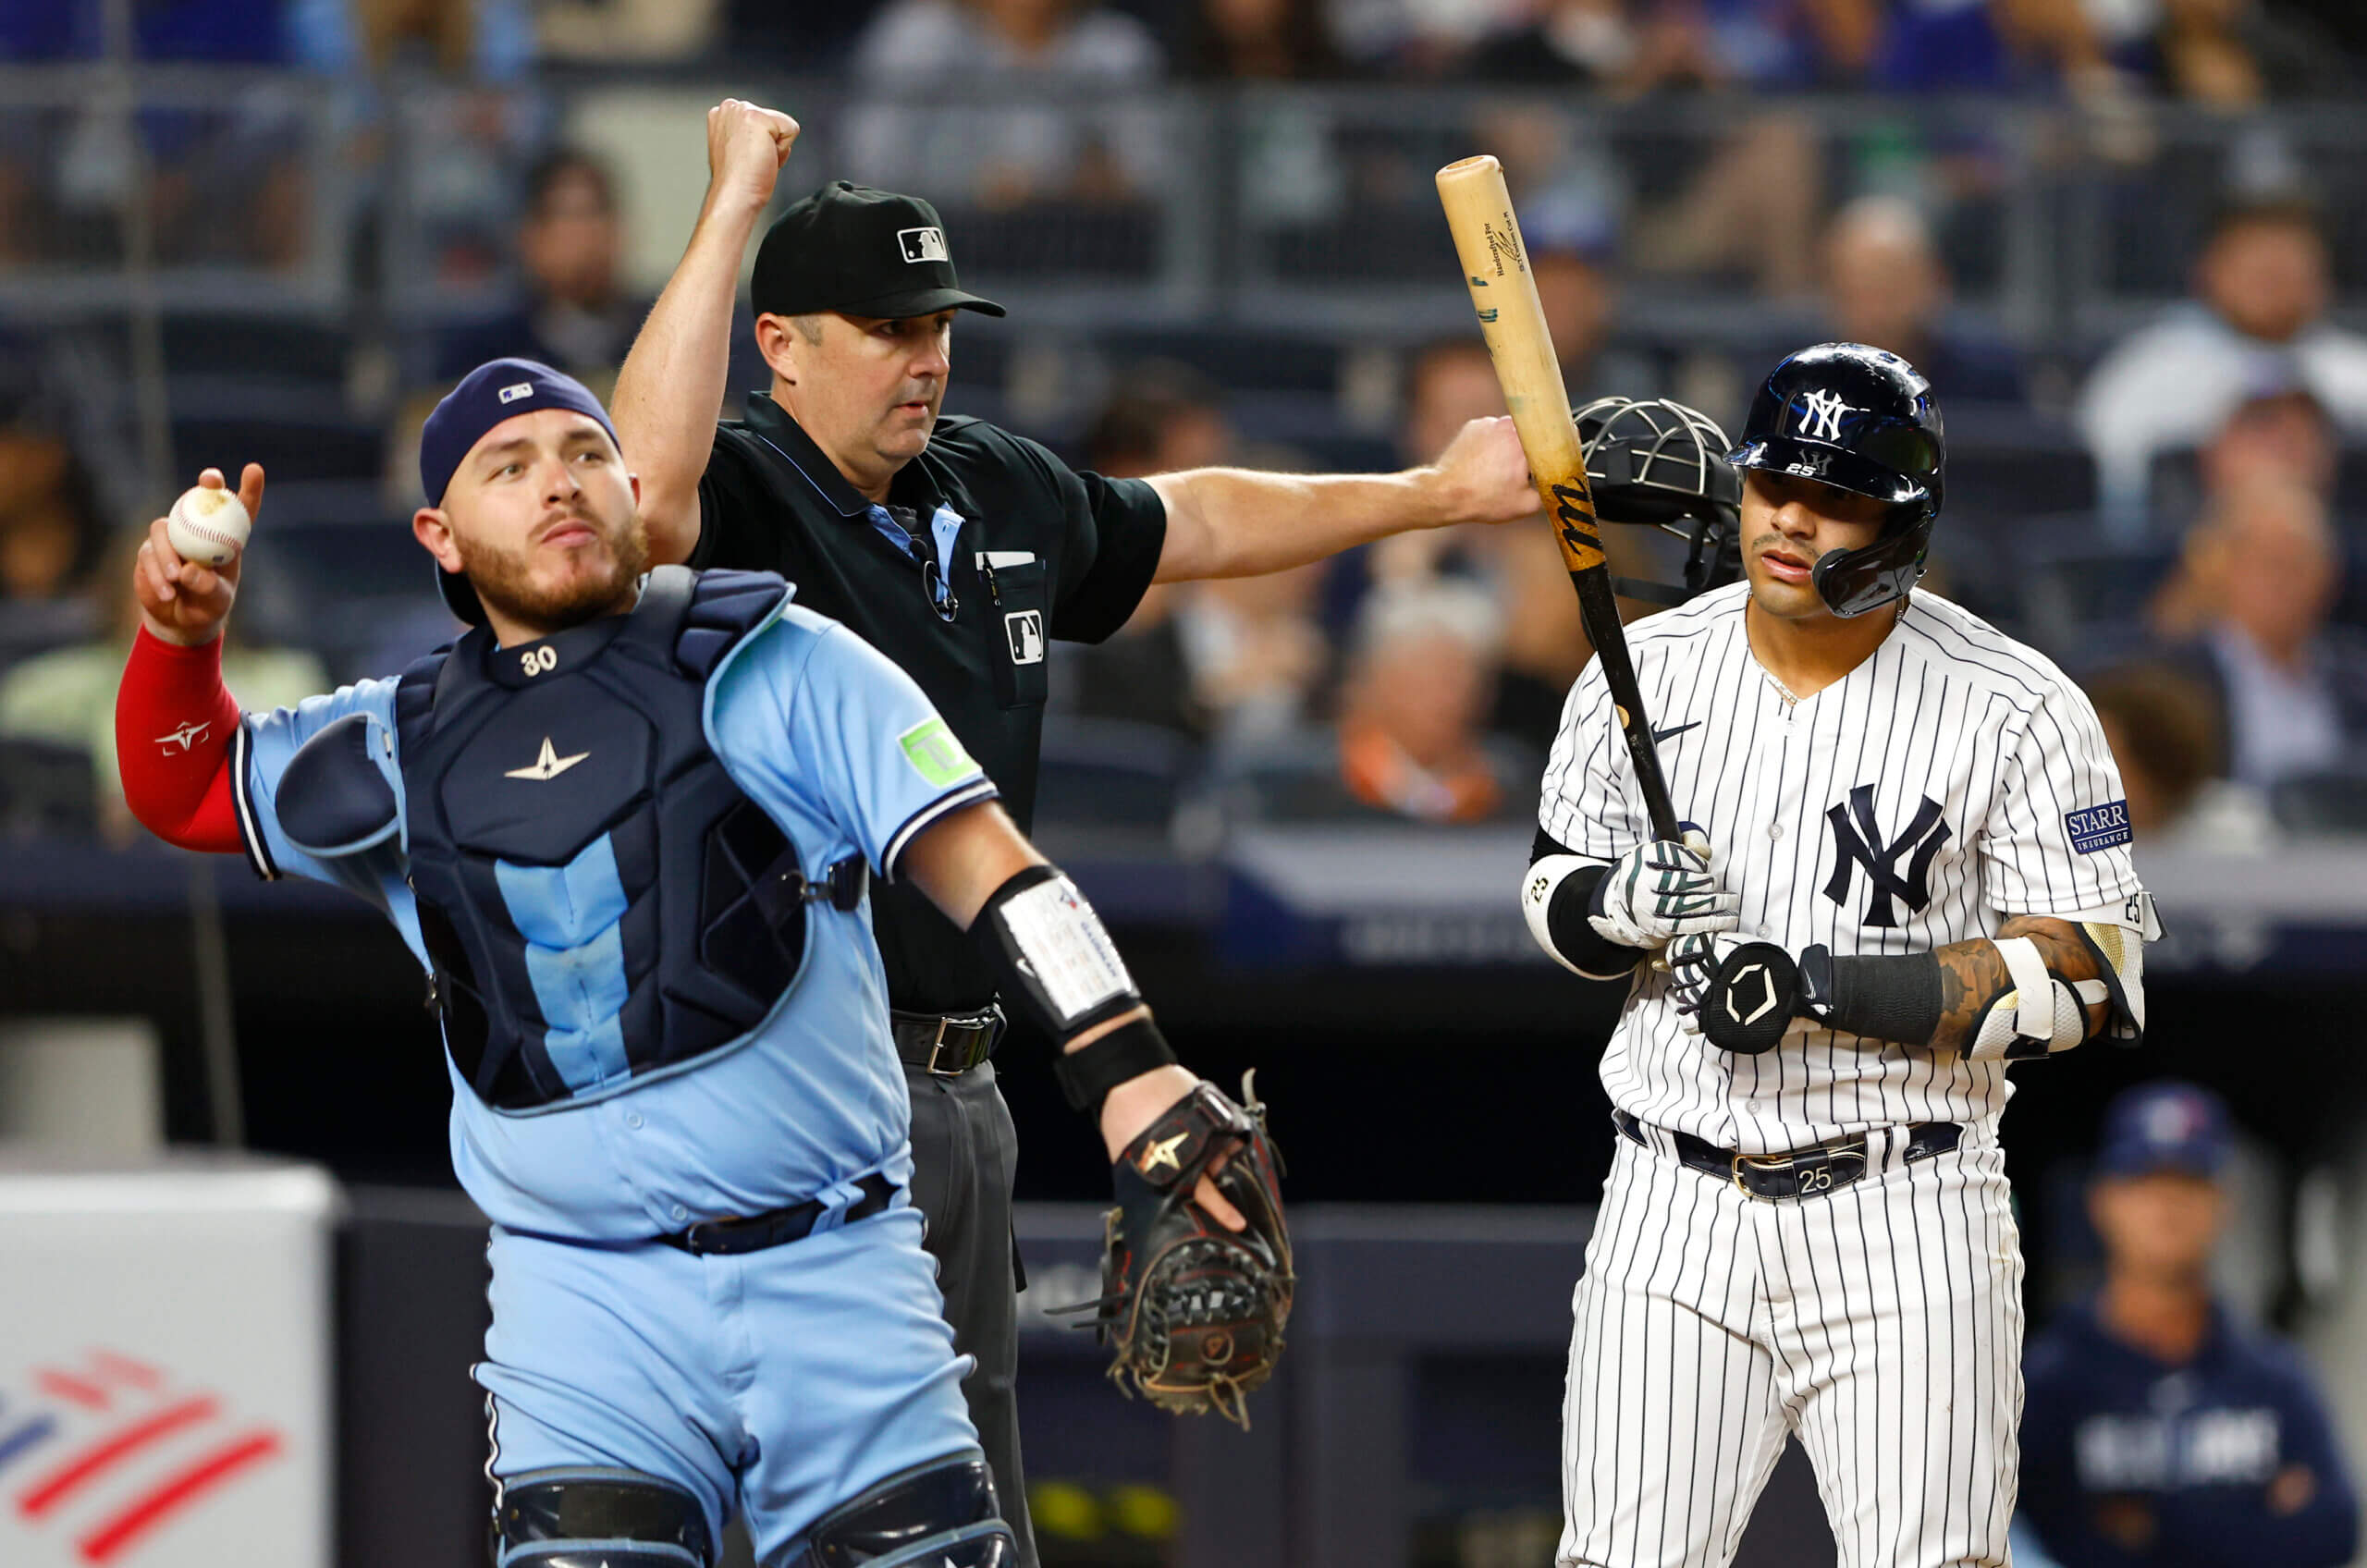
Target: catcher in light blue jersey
{"x":627,"y":826}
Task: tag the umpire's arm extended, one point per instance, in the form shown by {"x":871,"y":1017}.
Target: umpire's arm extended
{"x":1221,"y":523}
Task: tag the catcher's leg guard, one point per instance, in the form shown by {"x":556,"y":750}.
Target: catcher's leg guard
{"x":598,"y":1519}
{"x":942,"y":1516}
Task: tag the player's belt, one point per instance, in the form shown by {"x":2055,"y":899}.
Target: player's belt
{"x":712,"y":1237}
{"x":1803,"y":1174}
{"x":949,"y":1044}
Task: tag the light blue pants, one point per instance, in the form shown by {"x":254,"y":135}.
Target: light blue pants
{"x":781,"y":1382}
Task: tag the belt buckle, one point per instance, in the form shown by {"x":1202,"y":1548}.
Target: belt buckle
{"x":1770,"y":1162}
{"x":936,"y":1050}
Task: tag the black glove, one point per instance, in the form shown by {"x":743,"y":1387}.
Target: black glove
{"x":1741,"y":995}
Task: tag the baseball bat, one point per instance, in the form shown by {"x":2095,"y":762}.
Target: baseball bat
{"x":1495,"y":266}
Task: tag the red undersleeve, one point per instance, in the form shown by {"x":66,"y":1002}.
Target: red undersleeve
{"x":173,"y":723}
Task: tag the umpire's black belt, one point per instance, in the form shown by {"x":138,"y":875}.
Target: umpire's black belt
{"x":712,"y":1237}
{"x":946,"y":1045}
{"x":1803,"y":1173}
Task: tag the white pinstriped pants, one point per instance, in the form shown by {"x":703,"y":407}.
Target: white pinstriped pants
{"x":1882,"y":1323}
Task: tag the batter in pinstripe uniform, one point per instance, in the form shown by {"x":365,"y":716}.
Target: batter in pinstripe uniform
{"x":1905,"y":866}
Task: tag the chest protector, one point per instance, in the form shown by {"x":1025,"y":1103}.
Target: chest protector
{"x":598,"y":900}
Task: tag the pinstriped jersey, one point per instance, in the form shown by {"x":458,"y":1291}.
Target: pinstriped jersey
{"x":1953,"y":780}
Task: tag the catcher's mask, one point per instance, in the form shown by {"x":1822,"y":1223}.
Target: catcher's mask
{"x":1659,"y":464}
{"x":1861,"y":420}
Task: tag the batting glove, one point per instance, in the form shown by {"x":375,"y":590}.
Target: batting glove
{"x":1657,"y":893}
{"x":1743,"y":997}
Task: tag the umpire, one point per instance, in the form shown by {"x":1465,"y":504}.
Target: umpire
{"x":957,"y":549}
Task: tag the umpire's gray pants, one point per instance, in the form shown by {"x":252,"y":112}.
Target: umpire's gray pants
{"x":964,"y":1151}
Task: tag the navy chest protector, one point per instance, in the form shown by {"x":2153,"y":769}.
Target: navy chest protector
{"x":598,"y":900}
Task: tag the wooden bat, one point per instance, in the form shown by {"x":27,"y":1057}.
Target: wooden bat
{"x":1495,"y":266}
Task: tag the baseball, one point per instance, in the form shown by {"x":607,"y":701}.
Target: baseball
{"x":208,"y":526}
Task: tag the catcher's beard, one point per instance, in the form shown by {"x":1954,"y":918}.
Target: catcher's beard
{"x":504,"y":579}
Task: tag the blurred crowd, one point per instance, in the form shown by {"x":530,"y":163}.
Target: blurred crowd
{"x":2223,"y":53}
{"x":2171,"y":503}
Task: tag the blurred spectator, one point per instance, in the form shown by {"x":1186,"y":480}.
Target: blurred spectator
{"x":1545,"y":644}
{"x":488,"y":39}
{"x":67,"y":695}
{"x":1260,"y":40}
{"x":1168,"y":417}
{"x":2235,"y":54}
{"x":2278,"y":434}
{"x":1748,"y":215}
{"x":1573,"y":255}
{"x":789,"y":35}
{"x":575,"y":314}
{"x":52,"y":535}
{"x":2004,"y":46}
{"x":1884,"y":283}
{"x":636,"y":32}
{"x":2262,"y":290}
{"x":1450,"y":382}
{"x":2292,"y":690}
{"x":2164,"y":730}
{"x":2157,"y":1428}
{"x":1569,"y":44}
{"x":1051,"y":138}
{"x":1419,"y":683}
{"x":1634,"y":46}
{"x":2282,"y":433}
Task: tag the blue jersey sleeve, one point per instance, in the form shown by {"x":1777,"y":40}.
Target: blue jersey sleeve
{"x":261,"y":752}
{"x":812,"y":716}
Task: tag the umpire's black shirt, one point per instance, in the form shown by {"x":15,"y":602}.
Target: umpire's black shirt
{"x":1040,"y":551}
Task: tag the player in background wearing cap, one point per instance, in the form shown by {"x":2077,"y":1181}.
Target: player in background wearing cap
{"x":2159,"y":1431}
{"x":626,"y":825}
{"x":956,"y":549}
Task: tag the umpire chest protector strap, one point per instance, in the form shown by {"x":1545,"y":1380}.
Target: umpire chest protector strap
{"x":598,"y":900}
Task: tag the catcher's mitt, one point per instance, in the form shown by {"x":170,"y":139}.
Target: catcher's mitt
{"x":1195,"y":1312}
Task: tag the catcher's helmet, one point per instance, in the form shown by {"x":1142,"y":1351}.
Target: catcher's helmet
{"x":1659,"y":464}
{"x":1861,"y":420}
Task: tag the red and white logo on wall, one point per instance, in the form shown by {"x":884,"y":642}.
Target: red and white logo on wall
{"x":99,"y":1455}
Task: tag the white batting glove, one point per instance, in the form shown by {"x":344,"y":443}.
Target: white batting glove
{"x":1657,"y":893}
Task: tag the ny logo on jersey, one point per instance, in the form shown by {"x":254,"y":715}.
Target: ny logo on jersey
{"x":1858,"y":840}
{"x":1824,"y":421}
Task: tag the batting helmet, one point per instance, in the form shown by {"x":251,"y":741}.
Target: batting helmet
{"x":1861,"y":420}
{"x":1659,"y":464}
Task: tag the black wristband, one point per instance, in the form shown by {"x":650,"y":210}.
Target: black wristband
{"x":1089,"y":1072}
{"x":1574,"y":939}
{"x":1893,"y":996}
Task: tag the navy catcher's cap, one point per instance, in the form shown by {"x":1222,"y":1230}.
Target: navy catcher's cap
{"x":495,"y":391}
{"x":2169,"y":1125}
{"x":863,"y":251}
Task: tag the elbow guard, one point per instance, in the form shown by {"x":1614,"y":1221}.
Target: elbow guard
{"x":2045,"y":1013}
{"x":1555,"y":895}
{"x":1062,"y":972}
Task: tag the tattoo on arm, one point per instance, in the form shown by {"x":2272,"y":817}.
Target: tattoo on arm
{"x":1972,"y":973}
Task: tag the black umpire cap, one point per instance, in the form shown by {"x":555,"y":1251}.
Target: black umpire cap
{"x":861,"y":252}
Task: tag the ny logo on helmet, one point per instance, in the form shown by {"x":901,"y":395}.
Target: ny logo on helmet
{"x":1822,"y":421}
{"x":1860,"y":842}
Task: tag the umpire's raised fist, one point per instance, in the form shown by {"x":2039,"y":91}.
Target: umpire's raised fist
{"x":746,"y":145}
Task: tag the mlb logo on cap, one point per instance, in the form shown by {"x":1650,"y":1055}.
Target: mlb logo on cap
{"x":924,"y":244}
{"x":523,"y":389}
